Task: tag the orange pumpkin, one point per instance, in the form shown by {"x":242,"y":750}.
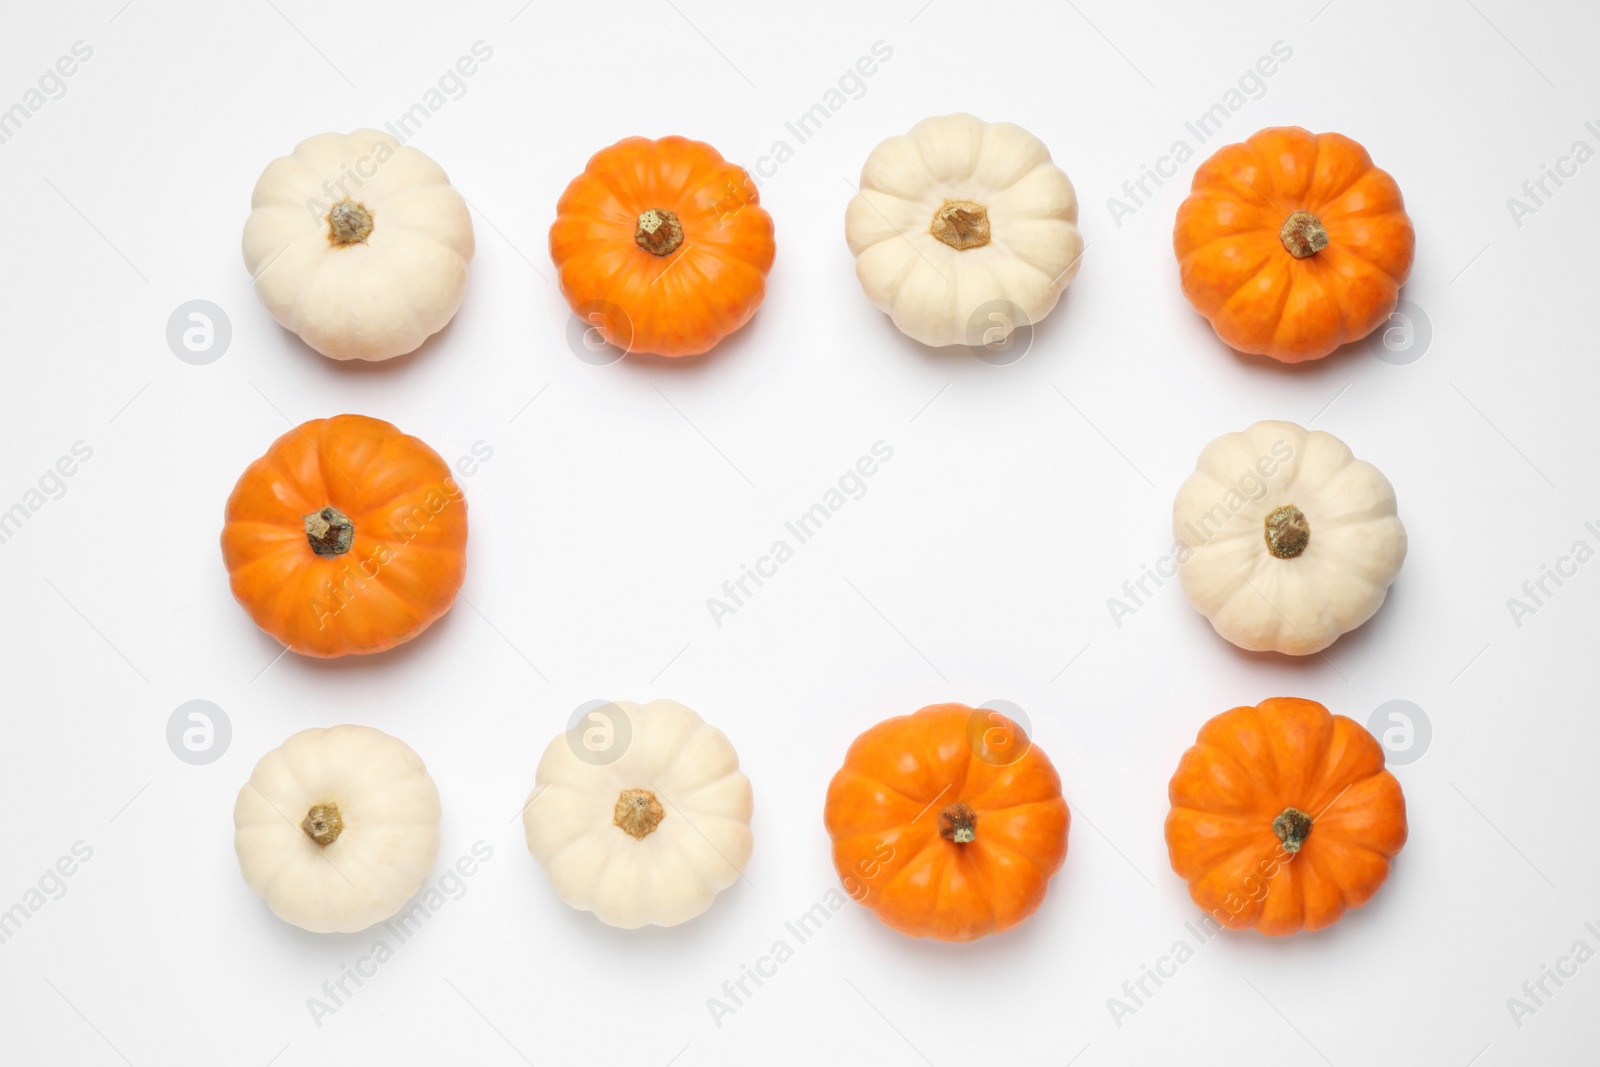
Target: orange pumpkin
{"x":662,"y":246}
{"x":1283,"y":816}
{"x":947,"y":823}
{"x":1293,"y":243}
{"x":346,"y":537}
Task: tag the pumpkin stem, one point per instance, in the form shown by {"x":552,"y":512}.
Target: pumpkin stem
{"x":1292,"y":828}
{"x":323,"y":824}
{"x":349,"y":223}
{"x":659,"y":232}
{"x":958,"y":823}
{"x":1302,"y":234}
{"x":1287,"y":532}
{"x":638,"y":812}
{"x":961,"y":224}
{"x":329,"y":532}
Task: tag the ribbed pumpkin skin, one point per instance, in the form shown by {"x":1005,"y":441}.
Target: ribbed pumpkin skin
{"x":682,"y":303}
{"x":405,"y":563}
{"x":1248,"y":766}
{"x":389,"y":807}
{"x":1237,"y":272}
{"x":883,"y":811}
{"x":379,"y":297}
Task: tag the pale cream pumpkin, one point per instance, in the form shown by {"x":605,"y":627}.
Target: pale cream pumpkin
{"x":963,"y":230}
{"x":337,"y":828}
{"x":358,"y":244}
{"x":647,"y":837}
{"x":1286,"y":540}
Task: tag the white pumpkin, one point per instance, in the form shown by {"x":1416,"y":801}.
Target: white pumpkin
{"x":961,"y":228}
{"x":337,"y":828}
{"x":652,"y":836}
{"x":1286,"y":540}
{"x":358,"y":244}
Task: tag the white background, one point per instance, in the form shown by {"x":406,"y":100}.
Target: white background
{"x":976,"y":567}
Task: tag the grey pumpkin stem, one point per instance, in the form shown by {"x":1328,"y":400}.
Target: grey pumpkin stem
{"x":1292,"y":828}
{"x":349,"y":223}
{"x":329,"y":531}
